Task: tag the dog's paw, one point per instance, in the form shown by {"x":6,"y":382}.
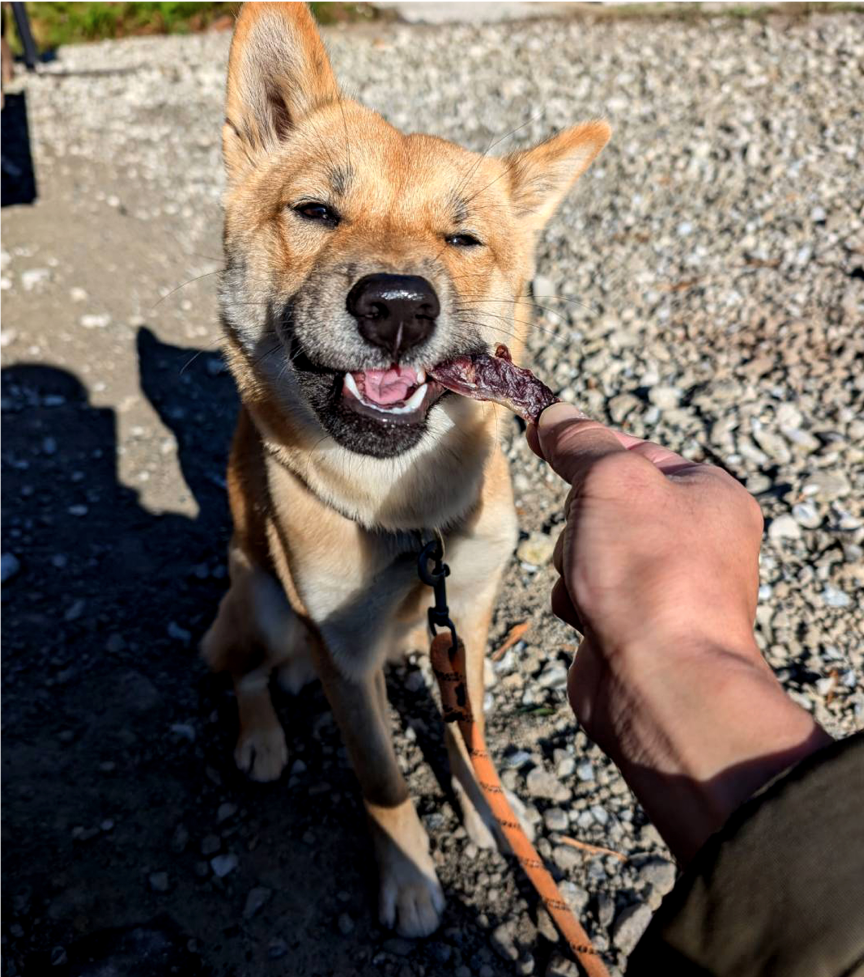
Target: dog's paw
{"x":410,"y":899}
{"x":262,"y":753}
{"x":411,"y":902}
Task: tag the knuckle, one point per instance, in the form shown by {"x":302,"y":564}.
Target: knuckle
{"x":754,"y":512}
{"x":621,"y":472}
{"x":732,"y":494}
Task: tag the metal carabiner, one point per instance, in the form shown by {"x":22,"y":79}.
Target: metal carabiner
{"x":439,"y":613}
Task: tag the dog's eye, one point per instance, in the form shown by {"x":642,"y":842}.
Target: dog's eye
{"x":463,"y":241}
{"x":318,"y":212}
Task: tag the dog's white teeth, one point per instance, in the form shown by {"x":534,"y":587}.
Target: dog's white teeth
{"x":421,"y":376}
{"x":413,"y":403}
{"x":351,"y":385}
{"x":416,"y":399}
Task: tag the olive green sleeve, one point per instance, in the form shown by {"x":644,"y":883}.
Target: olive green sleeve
{"x":779,"y":891}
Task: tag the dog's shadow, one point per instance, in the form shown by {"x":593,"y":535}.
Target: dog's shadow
{"x":118,"y":742}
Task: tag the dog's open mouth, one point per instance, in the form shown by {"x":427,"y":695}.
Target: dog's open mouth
{"x":399,"y":394}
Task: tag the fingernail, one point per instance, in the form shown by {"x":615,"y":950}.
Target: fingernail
{"x":558,"y":414}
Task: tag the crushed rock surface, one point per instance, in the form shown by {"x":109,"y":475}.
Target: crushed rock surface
{"x":703,"y":287}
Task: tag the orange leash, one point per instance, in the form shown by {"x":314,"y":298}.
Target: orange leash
{"x":448,"y":663}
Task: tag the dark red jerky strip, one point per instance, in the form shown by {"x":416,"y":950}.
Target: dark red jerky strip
{"x":496,"y":378}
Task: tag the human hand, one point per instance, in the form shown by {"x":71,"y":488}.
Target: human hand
{"x":659,"y":570}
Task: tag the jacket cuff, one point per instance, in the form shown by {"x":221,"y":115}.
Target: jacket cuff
{"x":779,"y":890}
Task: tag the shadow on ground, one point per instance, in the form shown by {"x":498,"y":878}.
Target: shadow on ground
{"x":122,"y":806}
{"x":18,"y":176}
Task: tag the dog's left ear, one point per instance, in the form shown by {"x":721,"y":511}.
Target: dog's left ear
{"x":540,"y":177}
{"x":278,"y":73}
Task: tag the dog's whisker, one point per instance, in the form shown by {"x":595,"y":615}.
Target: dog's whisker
{"x":530,"y":301}
{"x":533,"y":326}
{"x":183,"y":285}
{"x":511,"y":166}
{"x":200,"y":352}
{"x":520,"y":301}
{"x":345,"y":128}
{"x":553,"y":341}
{"x":463,"y":183}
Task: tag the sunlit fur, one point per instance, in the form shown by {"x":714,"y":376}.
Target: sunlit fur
{"x":336,"y":525}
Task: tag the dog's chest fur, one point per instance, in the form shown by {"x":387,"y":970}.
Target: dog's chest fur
{"x":360,"y":586}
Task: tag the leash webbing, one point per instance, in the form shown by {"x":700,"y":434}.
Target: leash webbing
{"x":447,"y":654}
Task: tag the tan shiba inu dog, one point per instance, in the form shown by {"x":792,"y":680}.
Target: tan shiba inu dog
{"x":356,"y":259}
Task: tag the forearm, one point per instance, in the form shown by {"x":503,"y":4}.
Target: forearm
{"x":697,"y":732}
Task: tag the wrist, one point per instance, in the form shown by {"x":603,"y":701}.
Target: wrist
{"x":696,"y":729}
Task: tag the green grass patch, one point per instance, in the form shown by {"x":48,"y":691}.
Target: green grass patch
{"x":59,"y":23}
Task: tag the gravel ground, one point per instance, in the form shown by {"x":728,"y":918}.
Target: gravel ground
{"x":704,"y":287}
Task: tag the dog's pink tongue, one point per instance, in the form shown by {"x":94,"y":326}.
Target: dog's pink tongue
{"x":388,"y":386}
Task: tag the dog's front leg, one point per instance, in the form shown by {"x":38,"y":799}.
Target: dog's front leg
{"x":410,"y":897}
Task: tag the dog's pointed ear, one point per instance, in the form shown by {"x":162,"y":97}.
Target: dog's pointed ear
{"x":540,"y":177}
{"x":278,"y":72}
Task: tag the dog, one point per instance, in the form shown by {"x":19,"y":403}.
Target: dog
{"x":356,"y":259}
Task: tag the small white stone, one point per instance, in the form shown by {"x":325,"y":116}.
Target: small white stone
{"x":600,"y":814}
{"x":788,"y":415}
{"x":9,"y":566}
{"x":553,"y":676}
{"x":659,"y":873}
{"x":773,"y":445}
{"x":834,"y":597}
{"x":223,"y":865}
{"x":179,"y":634}
{"x":159,"y":882}
{"x":544,"y":288}
{"x":666,"y":398}
{"x":555,"y":819}
{"x":536,"y":550}
{"x":826,"y":486}
{"x":95,"y":321}
{"x":784,"y":527}
{"x":34,"y":277}
{"x":807,"y":515}
{"x":630,"y":925}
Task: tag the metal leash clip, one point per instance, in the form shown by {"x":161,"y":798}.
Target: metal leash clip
{"x":439,"y":613}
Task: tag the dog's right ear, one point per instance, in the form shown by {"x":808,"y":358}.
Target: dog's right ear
{"x":278,"y":72}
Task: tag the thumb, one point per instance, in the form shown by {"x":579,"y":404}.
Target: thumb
{"x":572,"y":444}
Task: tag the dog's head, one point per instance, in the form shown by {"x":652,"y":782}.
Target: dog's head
{"x":358,"y":257}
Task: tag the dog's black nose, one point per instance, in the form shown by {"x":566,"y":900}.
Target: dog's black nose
{"x":394,"y":312}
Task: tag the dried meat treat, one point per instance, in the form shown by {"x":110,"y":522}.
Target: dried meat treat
{"x":496,"y":378}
